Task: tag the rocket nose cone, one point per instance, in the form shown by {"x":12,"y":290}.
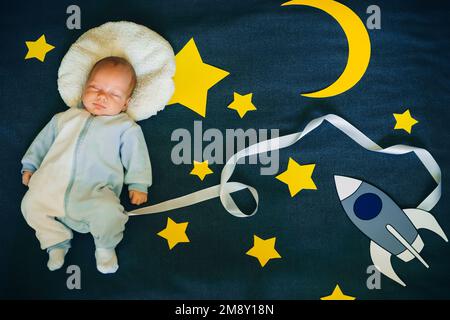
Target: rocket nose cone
{"x":346,"y":186}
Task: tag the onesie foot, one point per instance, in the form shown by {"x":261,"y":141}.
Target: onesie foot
{"x":56,"y":258}
{"x":106,"y":260}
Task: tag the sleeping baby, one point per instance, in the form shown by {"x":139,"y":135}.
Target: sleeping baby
{"x":76,"y":167}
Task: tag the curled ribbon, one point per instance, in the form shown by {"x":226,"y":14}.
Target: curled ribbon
{"x":225,"y":188}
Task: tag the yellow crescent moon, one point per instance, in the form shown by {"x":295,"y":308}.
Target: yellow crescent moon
{"x":358,"y":45}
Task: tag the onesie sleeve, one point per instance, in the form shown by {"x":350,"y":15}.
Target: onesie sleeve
{"x":135,"y":159}
{"x":39,"y":148}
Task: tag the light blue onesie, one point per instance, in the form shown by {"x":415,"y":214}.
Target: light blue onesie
{"x":80,"y":163}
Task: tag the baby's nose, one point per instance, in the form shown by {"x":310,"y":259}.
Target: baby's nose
{"x":101,"y":95}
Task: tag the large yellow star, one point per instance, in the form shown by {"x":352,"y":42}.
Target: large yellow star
{"x":404,"y":121}
{"x":174,"y":233}
{"x":193,"y":78}
{"x":298,"y":177}
{"x":263,"y":250}
{"x":242,"y":104}
{"x":38,"y":49}
{"x":337,"y":295}
{"x":201,"y":169}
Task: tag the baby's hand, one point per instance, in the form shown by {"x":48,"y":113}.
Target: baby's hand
{"x":26,"y":177}
{"x":137,"y":197}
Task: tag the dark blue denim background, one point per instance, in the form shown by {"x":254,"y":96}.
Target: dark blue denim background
{"x":276,"y":53}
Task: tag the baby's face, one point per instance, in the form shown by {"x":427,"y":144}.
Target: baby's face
{"x":107,"y":91}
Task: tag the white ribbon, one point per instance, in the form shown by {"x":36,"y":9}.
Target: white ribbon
{"x":225,"y":188}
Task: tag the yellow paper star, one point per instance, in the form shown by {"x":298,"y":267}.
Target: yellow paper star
{"x":201,"y":169}
{"x":263,"y":250}
{"x":38,"y":49}
{"x":193,"y":79}
{"x":337,"y":295}
{"x":174,"y":233}
{"x":242,"y":104}
{"x":404,"y":121}
{"x":298,"y":177}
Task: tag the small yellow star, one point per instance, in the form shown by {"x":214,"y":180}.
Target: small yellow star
{"x":298,"y":177}
{"x":38,"y":49}
{"x":337,"y":295}
{"x":263,"y":250}
{"x":201,"y":169}
{"x":174,"y":233}
{"x":404,"y":121}
{"x":193,"y":78}
{"x":242,"y":104}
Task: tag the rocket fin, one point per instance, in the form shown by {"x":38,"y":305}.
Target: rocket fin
{"x":382,"y":261}
{"x":406,"y":244}
{"x":417,"y":245}
{"x":424,"y":220}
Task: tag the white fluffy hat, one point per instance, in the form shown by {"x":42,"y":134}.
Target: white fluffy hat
{"x":150,"y":54}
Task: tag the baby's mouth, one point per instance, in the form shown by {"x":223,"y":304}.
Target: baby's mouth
{"x":99,"y":106}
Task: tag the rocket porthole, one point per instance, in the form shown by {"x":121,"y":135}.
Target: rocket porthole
{"x":367,"y":206}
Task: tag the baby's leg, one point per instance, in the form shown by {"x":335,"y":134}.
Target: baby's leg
{"x":107,"y":228}
{"x":49,"y":231}
{"x":107,"y":225}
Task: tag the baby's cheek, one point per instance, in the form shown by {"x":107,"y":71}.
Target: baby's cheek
{"x":84,"y":96}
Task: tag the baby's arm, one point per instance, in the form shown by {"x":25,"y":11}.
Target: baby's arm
{"x":37,"y":150}
{"x":136,"y":161}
